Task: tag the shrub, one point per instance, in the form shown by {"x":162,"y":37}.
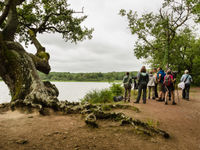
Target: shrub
{"x":92,"y":96}
{"x":117,"y":89}
{"x":105,"y":95}
{"x":98,"y":96}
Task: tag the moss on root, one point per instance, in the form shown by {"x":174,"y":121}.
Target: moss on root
{"x":43,"y":55}
{"x":14,"y":66}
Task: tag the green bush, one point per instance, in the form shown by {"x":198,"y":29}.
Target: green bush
{"x":98,"y":96}
{"x":105,"y":95}
{"x":91,"y":97}
{"x":117,"y":89}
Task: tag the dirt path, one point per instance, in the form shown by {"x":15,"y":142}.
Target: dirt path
{"x":57,"y":132}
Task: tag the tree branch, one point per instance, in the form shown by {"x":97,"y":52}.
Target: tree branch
{"x":44,"y":25}
{"x":12,"y":22}
{"x":40,"y":64}
{"x":37,"y":44}
{"x":5,"y":12}
{"x":143,"y":38}
{"x":19,"y":2}
{"x":82,"y":11}
{"x":57,"y":30}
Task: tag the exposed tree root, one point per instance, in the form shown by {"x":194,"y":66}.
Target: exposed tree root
{"x":92,"y":113}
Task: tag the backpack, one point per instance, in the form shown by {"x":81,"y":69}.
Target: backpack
{"x":143,"y":78}
{"x":167,"y":80}
{"x":127,"y":82}
{"x":160,"y":78}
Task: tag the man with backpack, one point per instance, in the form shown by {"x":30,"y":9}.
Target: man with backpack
{"x":168,"y":83}
{"x":127,"y":81}
{"x":161,"y":88}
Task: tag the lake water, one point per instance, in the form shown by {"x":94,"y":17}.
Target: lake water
{"x":71,"y":91}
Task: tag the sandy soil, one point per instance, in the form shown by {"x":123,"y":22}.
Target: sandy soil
{"x":69,"y":132}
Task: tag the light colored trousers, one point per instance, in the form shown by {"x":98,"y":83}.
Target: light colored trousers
{"x":151,"y":91}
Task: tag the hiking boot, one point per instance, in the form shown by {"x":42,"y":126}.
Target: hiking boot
{"x":129,"y":100}
{"x":166,"y":103}
{"x":153,"y":98}
{"x":144,"y":102}
{"x":160,"y":100}
{"x":173,"y":103}
{"x":136,"y":102}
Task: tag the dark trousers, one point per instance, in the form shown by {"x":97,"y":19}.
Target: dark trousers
{"x":185,"y":91}
{"x":127,"y":92}
{"x":142,"y":88}
{"x":156,"y":92}
{"x":172,"y":89}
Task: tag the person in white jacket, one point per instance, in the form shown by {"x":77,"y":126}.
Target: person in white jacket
{"x":151,"y":85}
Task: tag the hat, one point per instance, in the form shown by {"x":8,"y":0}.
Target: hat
{"x":186,"y":71}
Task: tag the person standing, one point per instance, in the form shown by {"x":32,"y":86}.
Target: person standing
{"x":127,"y":81}
{"x":156,"y":83}
{"x":187,"y":79}
{"x":143,"y":79}
{"x":151,"y":86}
{"x":168,"y":83}
{"x":161,"y":88}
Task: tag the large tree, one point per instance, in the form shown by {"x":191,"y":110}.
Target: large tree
{"x":23,"y":20}
{"x":157,"y":32}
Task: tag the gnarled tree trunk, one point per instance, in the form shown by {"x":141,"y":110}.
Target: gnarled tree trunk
{"x":19,"y":72}
{"x":18,"y":68}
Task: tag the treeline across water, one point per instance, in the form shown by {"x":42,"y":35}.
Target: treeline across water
{"x":98,"y":76}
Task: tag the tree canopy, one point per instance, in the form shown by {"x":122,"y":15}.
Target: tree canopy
{"x":166,"y":38}
{"x":49,"y":16}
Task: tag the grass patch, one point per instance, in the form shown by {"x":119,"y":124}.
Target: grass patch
{"x":152,"y":123}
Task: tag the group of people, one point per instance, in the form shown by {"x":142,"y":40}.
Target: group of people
{"x":160,"y":84}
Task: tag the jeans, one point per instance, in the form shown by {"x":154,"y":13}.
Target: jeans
{"x":142,"y":87}
{"x":185,"y":91}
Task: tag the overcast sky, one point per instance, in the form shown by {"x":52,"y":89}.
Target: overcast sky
{"x":110,"y":49}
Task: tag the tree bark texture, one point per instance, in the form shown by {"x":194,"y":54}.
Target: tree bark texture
{"x":18,"y":69}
